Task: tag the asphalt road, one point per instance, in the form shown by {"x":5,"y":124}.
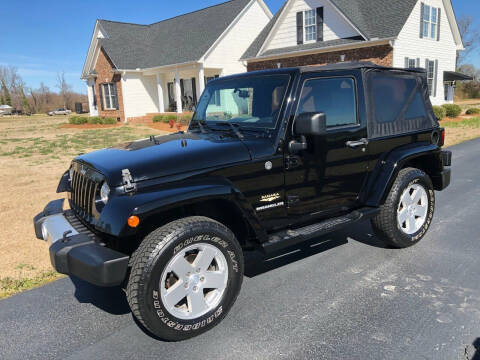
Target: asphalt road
{"x":343,"y":296}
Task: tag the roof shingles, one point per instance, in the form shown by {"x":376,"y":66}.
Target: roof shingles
{"x":181,"y":39}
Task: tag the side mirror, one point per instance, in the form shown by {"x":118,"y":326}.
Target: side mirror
{"x":311,"y":123}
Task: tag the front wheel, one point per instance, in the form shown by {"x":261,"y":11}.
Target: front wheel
{"x":407,"y":213}
{"x":185,"y":277}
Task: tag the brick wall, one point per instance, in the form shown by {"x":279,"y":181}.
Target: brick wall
{"x":381,"y":55}
{"x":104,"y":67}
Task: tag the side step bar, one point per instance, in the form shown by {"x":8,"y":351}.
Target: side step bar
{"x":290,"y":237}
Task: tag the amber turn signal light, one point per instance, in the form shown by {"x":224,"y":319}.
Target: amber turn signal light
{"x":133,"y":221}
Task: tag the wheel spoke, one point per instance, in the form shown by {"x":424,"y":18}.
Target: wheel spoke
{"x":175,"y":293}
{"x":204,"y":258}
{"x":196,"y":302}
{"x":411,"y":223}
{"x":214,"y":280}
{"x":421,"y":210}
{"x":417,"y":195}
{"x":402,"y":215}
{"x":406,"y":199}
{"x":181,"y":266}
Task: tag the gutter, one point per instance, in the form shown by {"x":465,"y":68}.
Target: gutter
{"x":327,"y":49}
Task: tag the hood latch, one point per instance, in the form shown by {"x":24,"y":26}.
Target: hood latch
{"x":128,"y":183}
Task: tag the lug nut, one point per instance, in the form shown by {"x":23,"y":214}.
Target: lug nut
{"x":185,"y":285}
{"x":195,"y":288}
{"x":198,"y":270}
{"x":202,"y":279}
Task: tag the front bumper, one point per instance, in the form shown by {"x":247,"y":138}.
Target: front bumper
{"x":75,"y":250}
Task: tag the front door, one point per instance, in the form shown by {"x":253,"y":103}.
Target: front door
{"x":327,"y":178}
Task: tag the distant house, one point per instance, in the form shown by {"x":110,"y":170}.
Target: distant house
{"x":132,"y":70}
{"x":404,"y":33}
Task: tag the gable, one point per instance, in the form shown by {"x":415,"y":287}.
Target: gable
{"x":182,"y":39}
{"x":284,"y":34}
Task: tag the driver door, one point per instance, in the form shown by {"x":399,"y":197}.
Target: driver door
{"x":327,"y":177}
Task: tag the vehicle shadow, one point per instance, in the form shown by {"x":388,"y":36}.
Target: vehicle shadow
{"x":111,"y":300}
{"x":257,"y":263}
{"x":476,"y":346}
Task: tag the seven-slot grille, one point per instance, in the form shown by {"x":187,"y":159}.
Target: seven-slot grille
{"x":83,"y":192}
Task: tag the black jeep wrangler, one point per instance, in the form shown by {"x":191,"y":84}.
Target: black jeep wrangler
{"x":270,"y":159}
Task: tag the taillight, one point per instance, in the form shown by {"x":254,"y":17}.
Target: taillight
{"x":442,"y":138}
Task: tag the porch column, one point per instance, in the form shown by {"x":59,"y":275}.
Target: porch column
{"x":161,"y":105}
{"x":178,"y":93}
{"x":201,"y":81}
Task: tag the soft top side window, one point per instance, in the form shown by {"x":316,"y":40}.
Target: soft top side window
{"x":336,"y":97}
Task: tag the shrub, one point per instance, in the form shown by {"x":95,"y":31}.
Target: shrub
{"x":440,"y":112}
{"x":452,"y":110}
{"x":158,"y":118}
{"x":109,"y":121}
{"x":472,"y":111}
{"x":185,"y":118}
{"x":78,"y":120}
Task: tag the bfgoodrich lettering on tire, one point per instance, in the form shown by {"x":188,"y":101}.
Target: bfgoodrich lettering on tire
{"x":408,"y":210}
{"x":185,"y":277}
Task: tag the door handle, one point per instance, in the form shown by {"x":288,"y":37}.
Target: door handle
{"x":357,"y":143}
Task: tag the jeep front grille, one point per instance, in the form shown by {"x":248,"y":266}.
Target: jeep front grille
{"x":83,"y":192}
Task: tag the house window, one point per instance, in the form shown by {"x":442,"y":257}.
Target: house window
{"x":109,"y":96}
{"x":310,"y":25}
{"x":412,"y":63}
{"x":430,"y":22}
{"x":430,"y":75}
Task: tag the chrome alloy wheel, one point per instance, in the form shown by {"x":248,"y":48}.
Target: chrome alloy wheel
{"x":412,"y":209}
{"x":194,"y":281}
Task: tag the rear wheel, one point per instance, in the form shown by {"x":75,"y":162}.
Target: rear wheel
{"x":185,"y":277}
{"x":408,"y":210}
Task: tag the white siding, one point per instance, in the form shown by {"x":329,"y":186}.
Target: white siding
{"x":409,"y":44}
{"x":226,"y":54}
{"x":334,"y":27}
{"x":140,"y":94}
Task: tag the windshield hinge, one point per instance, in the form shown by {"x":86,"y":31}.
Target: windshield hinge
{"x":128,"y":183}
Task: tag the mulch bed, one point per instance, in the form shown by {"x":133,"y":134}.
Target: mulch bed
{"x":166,"y":127}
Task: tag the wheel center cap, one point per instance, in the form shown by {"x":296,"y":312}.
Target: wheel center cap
{"x":194,"y":280}
{"x":410,"y":209}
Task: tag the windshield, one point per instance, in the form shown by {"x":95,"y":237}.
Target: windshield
{"x":253,"y":101}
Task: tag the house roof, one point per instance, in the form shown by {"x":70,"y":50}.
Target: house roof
{"x":181,"y":39}
{"x":375,"y":19}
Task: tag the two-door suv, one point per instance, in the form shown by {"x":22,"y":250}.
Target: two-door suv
{"x":270,"y":159}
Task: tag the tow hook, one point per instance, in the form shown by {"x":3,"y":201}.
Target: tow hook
{"x":64,"y":237}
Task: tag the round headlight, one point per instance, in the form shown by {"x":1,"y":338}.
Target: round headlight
{"x":104,"y":192}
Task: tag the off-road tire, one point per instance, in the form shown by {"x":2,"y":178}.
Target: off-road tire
{"x":153,"y":254}
{"x":385,"y":224}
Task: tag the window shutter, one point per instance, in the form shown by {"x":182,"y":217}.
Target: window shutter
{"x":439,"y":18}
{"x":435,"y":79}
{"x":182,"y":91}
{"x":299,"y":27}
{"x":406,"y":63}
{"x":115,"y":98}
{"x":194,"y":90}
{"x":418,"y":62}
{"x":422,"y":13}
{"x":100,"y":93}
{"x":426,"y":65}
{"x":320,"y":24}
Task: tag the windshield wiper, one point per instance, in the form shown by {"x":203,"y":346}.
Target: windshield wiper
{"x":202,"y":125}
{"x":234,"y":127}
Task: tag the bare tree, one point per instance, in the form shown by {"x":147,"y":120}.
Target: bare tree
{"x":470,"y":36}
{"x":65,"y":89}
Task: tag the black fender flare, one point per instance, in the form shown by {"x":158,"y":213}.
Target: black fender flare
{"x":150,"y":201}
{"x":382,"y":177}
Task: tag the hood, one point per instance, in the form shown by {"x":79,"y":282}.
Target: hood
{"x":168,"y":155}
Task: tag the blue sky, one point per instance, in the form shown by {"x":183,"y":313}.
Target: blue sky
{"x":41,"y":38}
